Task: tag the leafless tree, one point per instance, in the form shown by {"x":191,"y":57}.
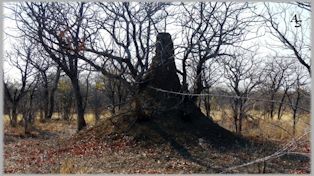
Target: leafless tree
{"x":96,"y":100}
{"x":59,"y":29}
{"x":115,"y":39}
{"x":14,"y":92}
{"x":293,"y":37}
{"x":28,"y":110}
{"x":208,"y":30}
{"x":130,"y":28}
{"x":303,"y":5}
{"x":275,"y":73}
{"x":211,"y":75}
{"x":50,"y":74}
{"x":242,"y":78}
{"x":295,"y":97}
{"x":65,"y":98}
{"x":286,"y":87}
{"x":69,"y":32}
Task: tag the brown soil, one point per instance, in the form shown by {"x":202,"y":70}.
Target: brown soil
{"x":56,"y":148}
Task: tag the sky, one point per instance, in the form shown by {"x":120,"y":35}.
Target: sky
{"x":266,"y":42}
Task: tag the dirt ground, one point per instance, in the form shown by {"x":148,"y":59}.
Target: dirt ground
{"x":54,"y":147}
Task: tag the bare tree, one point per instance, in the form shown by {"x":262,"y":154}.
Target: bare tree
{"x":50,"y":74}
{"x":211,"y":75}
{"x":275,"y":72}
{"x":295,"y":97}
{"x":61,"y":37}
{"x":14,"y":92}
{"x":130,"y":27}
{"x":303,"y":5}
{"x":28,"y":110}
{"x":65,"y":98}
{"x":115,"y":39}
{"x":243,"y":77}
{"x":96,"y":100}
{"x":208,"y":30}
{"x":67,"y":40}
{"x":293,"y":37}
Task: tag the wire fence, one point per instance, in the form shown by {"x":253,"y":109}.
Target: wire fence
{"x":225,"y":96}
{"x":286,"y":149}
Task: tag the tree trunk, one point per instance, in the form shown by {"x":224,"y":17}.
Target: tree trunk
{"x":79,"y":104}
{"x":52,"y":94}
{"x":25,"y":117}
{"x":207,"y":106}
{"x":237,"y":115}
{"x":51,"y":105}
{"x":13,"y":115}
{"x":294,"y":122}
{"x":281,"y":104}
{"x":113,"y":102}
{"x":272,"y":106}
{"x":295,"y":109}
{"x":235,"y":122}
{"x":28,"y":115}
{"x":198,"y":85}
{"x":96,"y":114}
{"x":119,"y":95}
{"x":46,"y":103}
{"x":46,"y":96}
{"x":240,"y":122}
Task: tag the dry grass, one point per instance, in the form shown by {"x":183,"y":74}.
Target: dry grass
{"x":6,"y":118}
{"x":66,"y":154}
{"x":263,"y":127}
{"x":89,"y":118}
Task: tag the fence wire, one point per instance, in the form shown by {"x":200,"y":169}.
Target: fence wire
{"x":225,"y":96}
{"x":286,"y":149}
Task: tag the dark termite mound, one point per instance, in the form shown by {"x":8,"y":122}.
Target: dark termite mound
{"x":159,"y":117}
